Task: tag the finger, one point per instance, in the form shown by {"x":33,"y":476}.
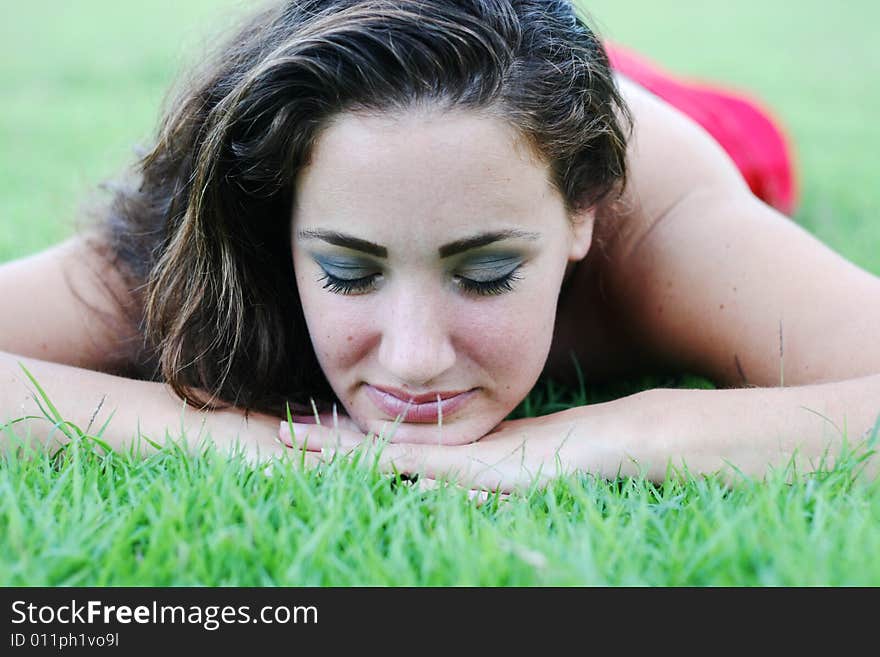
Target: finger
{"x":325,"y":419}
{"x":479,"y":495}
{"x":463,"y":465}
{"x":483,"y":466}
{"x":419,"y":460}
{"x":315,"y":437}
{"x":487,"y":466}
{"x":458,"y":464}
{"x":296,"y":458}
{"x":482,"y":496}
{"x":305,"y":419}
{"x":306,"y":458}
{"x":334,"y":418}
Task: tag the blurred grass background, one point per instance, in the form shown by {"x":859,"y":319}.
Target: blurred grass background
{"x":82,"y":83}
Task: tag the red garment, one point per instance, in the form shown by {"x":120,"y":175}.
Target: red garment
{"x":743,"y":128}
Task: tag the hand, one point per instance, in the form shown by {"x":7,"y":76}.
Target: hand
{"x":352,"y":431}
{"x":327,"y":419}
{"x":513,"y":456}
{"x":254,"y":434}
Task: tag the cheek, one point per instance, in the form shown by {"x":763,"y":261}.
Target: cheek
{"x":339,"y":332}
{"x":337,"y":326}
{"x":510,"y":339}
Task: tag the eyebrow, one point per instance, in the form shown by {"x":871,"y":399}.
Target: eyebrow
{"x":458,"y":246}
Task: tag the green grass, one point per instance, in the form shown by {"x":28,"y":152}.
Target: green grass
{"x":87,"y":517}
{"x":82,"y":83}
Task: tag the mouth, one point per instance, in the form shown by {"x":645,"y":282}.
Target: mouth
{"x":419,"y":409}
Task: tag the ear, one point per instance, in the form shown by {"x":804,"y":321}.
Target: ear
{"x":581,"y":225}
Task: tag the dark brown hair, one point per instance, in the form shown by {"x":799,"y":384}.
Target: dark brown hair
{"x":202,"y":235}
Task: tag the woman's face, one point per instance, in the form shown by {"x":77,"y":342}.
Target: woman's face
{"x":429,"y":251}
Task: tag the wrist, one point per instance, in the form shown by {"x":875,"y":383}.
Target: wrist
{"x":640,"y":434}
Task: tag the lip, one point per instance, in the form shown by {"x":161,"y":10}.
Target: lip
{"x":422,"y":408}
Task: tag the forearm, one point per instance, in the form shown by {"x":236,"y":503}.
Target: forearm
{"x":751,"y":429}
{"x":140,"y":409}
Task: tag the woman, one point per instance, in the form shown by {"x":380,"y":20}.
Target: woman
{"x":378,"y":204}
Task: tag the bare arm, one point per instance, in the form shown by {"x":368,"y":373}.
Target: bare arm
{"x":730,"y":432}
{"x":62,"y":319}
{"x":713,"y":281}
{"x":756,"y":429}
{"x":64,"y":305}
{"x":139,"y":410}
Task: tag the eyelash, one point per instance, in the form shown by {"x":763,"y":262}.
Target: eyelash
{"x":476,"y":288}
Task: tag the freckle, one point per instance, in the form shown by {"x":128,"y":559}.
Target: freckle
{"x":349,"y":338}
{"x":660,"y":309}
{"x":668,"y":284}
{"x":721,"y":307}
{"x":734,"y":289}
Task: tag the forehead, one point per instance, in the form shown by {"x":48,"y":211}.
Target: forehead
{"x":438,"y":167}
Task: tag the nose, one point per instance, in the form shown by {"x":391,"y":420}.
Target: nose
{"x":416,"y":347}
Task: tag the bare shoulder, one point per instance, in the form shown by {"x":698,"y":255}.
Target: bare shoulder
{"x":669,"y":158}
{"x":702,"y":276}
{"x":67,"y":304}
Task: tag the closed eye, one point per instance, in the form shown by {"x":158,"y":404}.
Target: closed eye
{"x":347,"y":285}
{"x":364,"y":284}
{"x":492,"y":287}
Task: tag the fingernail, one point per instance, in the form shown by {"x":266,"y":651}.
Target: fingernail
{"x":284,"y":434}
